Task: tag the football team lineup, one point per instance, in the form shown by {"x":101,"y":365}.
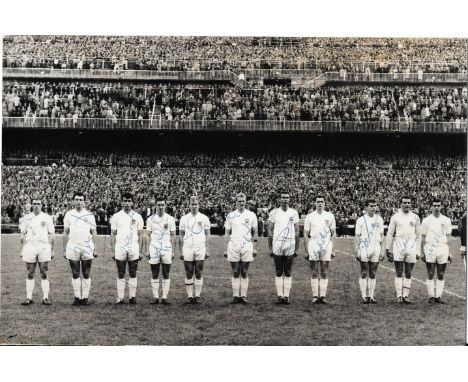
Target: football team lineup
{"x":407,"y":240}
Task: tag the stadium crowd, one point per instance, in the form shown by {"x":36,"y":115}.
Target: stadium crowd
{"x":73,"y":100}
{"x":235,"y":53}
{"x":344,"y":180}
{"x":239,"y":159}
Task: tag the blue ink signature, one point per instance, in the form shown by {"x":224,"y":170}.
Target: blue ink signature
{"x":438,"y":236}
{"x":192,"y":229}
{"x":323,"y":241}
{"x":158,"y":249}
{"x":284,"y":238}
{"x":82,"y":218}
{"x":365,"y":242}
{"x":128,"y":241}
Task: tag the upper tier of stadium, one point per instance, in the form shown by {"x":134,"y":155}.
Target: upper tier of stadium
{"x":381,"y":55}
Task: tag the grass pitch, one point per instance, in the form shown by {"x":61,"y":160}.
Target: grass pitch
{"x":344,"y":322}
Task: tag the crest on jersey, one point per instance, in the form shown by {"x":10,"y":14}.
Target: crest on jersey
{"x":165,"y":226}
{"x":411,"y":224}
{"x":246,"y":221}
{"x":291,"y":219}
{"x":200,"y":224}
{"x":327,"y":222}
{"x":133,"y":221}
{"x":85,"y":219}
{"x":43,"y":224}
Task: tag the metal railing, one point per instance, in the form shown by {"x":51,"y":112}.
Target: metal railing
{"x":458,"y":78}
{"x":229,"y":76}
{"x":291,"y":62}
{"x":235,"y":125}
{"x":87,"y":74}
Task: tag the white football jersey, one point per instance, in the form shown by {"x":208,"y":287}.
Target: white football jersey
{"x":241,"y":225}
{"x":404,"y":227}
{"x":194,"y":227}
{"x":320,"y":225}
{"x":80,"y":225}
{"x":369,"y":230}
{"x":127,"y":227}
{"x":436,"y":230}
{"x":161,"y":228}
{"x":284,"y":224}
{"x":37,"y":227}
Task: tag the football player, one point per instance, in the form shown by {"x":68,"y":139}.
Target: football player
{"x":79,"y":236}
{"x":319,"y":237}
{"x":194,"y":232}
{"x":127,"y":242}
{"x":160,"y":239}
{"x":404,"y":248}
{"x":436,"y":230}
{"x":369,"y":236}
{"x":37,"y":237}
{"x":283,"y":242}
{"x":241,"y":236}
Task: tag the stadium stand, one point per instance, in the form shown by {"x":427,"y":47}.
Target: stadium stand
{"x":380,"y":55}
{"x":345,"y":179}
{"x":344,"y":85}
{"x":181,"y":102}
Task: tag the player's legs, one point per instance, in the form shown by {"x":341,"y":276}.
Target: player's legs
{"x":235,"y":281}
{"x":399,"y":265}
{"x":363,"y":280}
{"x":86,"y":280}
{"x":189,"y":271}
{"x":279,"y":271}
{"x":287,"y":283}
{"x":121,"y":270}
{"x":440,"y":283}
{"x":31,"y":270}
{"x":166,"y":269}
{"x":198,"y":278}
{"x":314,"y":280}
{"x":76,"y":281}
{"x":132,"y":280}
{"x":372,"y":280}
{"x":244,"y":281}
{"x":155,"y":280}
{"x":44,"y":268}
{"x":323,"y":283}
{"x":407,"y":279}
{"x":430,"y":280}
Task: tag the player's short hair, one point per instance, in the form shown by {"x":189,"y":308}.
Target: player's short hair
{"x":33,"y":199}
{"x":369,"y":201}
{"x":283,"y":191}
{"x":78,"y":193}
{"x":405,"y":197}
{"x":436,"y":200}
{"x":319,"y":197}
{"x":241,"y":195}
{"x":127,"y":195}
{"x":160,"y":198}
{"x":194,"y":198}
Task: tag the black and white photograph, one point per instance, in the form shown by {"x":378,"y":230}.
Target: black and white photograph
{"x":233,"y":190}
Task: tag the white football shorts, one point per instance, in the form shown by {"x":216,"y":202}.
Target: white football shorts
{"x":194,"y":254}
{"x":317,"y":253}
{"x":36,"y":253}
{"x":78,"y":252}
{"x":239,"y":251}
{"x":160,"y":253}
{"x":404,"y":250}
